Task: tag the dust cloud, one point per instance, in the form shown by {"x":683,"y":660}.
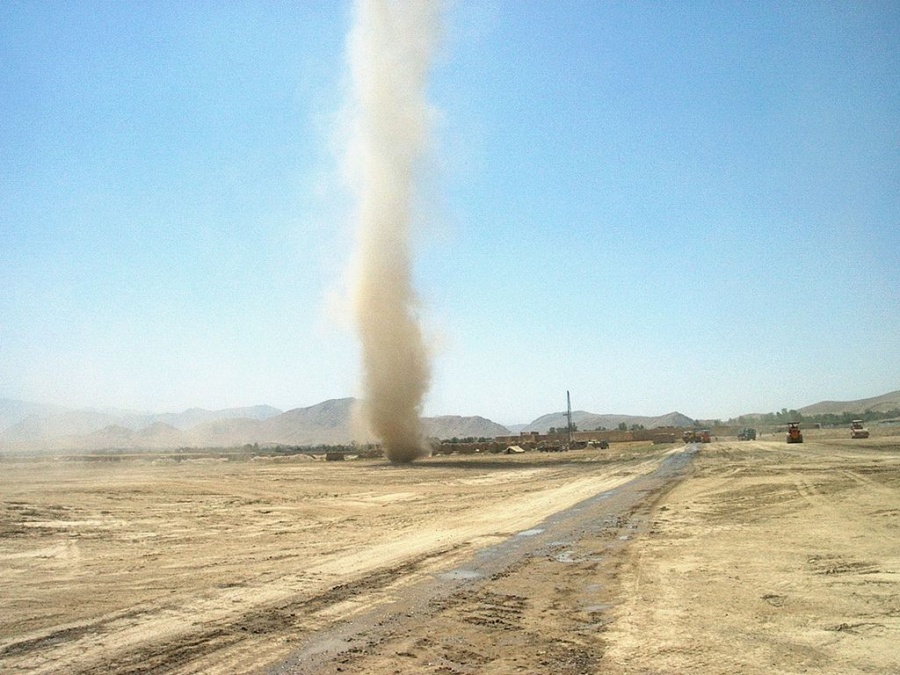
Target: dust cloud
{"x":390,"y":46}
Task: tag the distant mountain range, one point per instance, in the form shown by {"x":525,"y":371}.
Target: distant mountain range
{"x":37,"y":426}
{"x":33,"y":426}
{"x":25,"y":422}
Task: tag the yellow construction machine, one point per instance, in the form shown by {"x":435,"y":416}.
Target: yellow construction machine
{"x":793,"y":433}
{"x":857,"y":430}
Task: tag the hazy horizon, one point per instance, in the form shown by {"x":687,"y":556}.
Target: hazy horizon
{"x":507,"y":423}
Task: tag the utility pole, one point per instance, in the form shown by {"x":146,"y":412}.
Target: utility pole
{"x":569,"y":417}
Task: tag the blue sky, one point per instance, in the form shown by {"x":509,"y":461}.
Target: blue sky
{"x":657,"y":206}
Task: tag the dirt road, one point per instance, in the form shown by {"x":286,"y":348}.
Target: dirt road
{"x":755,"y":558}
{"x":209,"y":566}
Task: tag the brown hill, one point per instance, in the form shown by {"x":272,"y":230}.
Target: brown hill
{"x":446,"y":427}
{"x":58,"y":424}
{"x":329,"y":423}
{"x":883,"y":403}
{"x":224,"y":433}
{"x":157,"y":436}
{"x":586,"y":421}
{"x":332,"y":422}
{"x":194,"y":417}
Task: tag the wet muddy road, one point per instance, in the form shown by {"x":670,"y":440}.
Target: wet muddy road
{"x":535,"y":602}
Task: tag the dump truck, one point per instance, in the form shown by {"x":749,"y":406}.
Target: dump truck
{"x":794,"y":434}
{"x":857,"y":430}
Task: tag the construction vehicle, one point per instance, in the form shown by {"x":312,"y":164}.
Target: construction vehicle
{"x":793,"y":433}
{"x":696,"y":436}
{"x":748,"y":434}
{"x":857,"y":430}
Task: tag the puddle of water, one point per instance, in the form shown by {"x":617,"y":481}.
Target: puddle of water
{"x":530,"y":533}
{"x":597,"y":608}
{"x":570,"y":557}
{"x":328,"y":645}
{"x":459,"y":574}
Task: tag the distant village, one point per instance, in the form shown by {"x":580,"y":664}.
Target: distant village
{"x":556,"y":440}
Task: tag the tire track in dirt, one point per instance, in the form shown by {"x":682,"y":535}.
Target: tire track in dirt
{"x":234,"y":626}
{"x":773,"y":560}
{"x":274,"y":621}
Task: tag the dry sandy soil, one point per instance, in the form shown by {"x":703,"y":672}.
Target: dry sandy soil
{"x":753,"y":557}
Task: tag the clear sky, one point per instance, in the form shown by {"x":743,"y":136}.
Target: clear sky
{"x":658,"y":206}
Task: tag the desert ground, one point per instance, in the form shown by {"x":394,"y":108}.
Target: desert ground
{"x":728,"y":557}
